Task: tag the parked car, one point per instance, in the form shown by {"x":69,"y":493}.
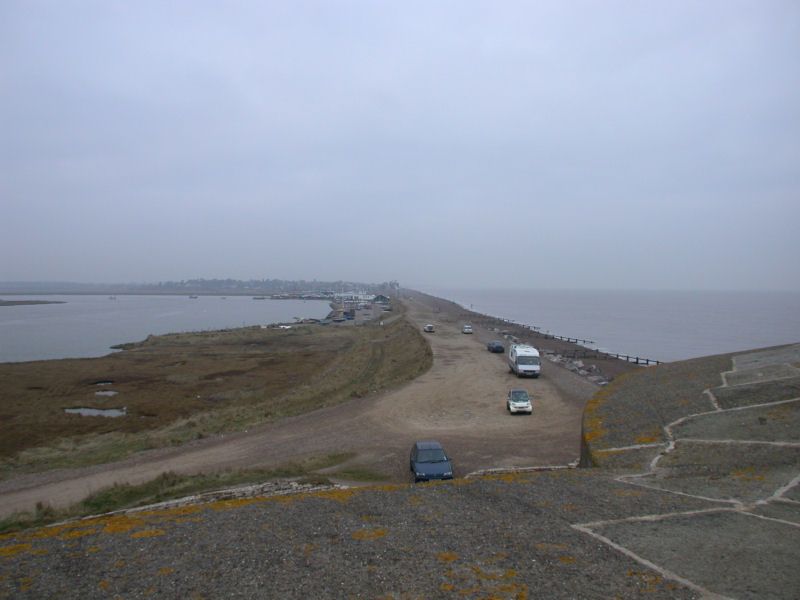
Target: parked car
{"x":495,"y":346}
{"x":428,"y":328}
{"x":429,"y":461}
{"x":518,"y":401}
{"x":466,"y":329}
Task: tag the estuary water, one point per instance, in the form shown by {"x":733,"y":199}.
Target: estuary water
{"x":86,"y":326}
{"x":665,"y":326}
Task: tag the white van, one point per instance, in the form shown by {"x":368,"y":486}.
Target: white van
{"x":524,"y":360}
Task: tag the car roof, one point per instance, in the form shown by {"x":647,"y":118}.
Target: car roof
{"x":428,"y":445}
{"x":518,"y":390}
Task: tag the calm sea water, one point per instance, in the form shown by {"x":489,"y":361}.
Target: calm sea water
{"x":660,"y":325}
{"x":87,"y":326}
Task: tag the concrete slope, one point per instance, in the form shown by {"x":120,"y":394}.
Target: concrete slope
{"x":723,"y":429}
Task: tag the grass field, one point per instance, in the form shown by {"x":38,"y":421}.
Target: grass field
{"x":182,"y":387}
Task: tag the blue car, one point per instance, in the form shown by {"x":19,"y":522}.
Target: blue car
{"x":429,"y":461}
{"x":495,"y":346}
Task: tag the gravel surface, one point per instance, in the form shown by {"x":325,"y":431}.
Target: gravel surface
{"x":502,"y":537}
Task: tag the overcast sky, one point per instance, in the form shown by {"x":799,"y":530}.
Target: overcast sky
{"x":649,"y":145}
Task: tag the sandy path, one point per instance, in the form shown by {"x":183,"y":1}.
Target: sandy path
{"x":460,"y":401}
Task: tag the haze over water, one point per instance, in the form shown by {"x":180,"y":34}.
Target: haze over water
{"x":662,"y":325}
{"x":87,"y":326}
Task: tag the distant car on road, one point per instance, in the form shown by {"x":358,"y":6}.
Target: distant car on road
{"x":428,"y":328}
{"x":518,"y":401}
{"x":429,"y":461}
{"x":495,"y":346}
{"x":466,"y":329}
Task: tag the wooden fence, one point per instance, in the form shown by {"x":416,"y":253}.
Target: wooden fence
{"x":587,"y":352}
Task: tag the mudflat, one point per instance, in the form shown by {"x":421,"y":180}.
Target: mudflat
{"x":28,"y":302}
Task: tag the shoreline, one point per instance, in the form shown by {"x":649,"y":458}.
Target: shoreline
{"x":598,"y":367}
{"x":589,"y":350}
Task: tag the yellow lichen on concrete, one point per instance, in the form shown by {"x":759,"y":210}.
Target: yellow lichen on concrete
{"x":649,"y":438}
{"x":461,"y":481}
{"x":342,"y":496}
{"x":747,"y":474}
{"x":550,"y":547}
{"x":780,"y":413}
{"x":77,"y":533}
{"x":368,"y":534}
{"x":651,"y":580}
{"x":507,"y":477}
{"x":166,"y":571}
{"x":389,"y":487}
{"x":447,"y":557}
{"x":235,"y":503}
{"x":629,"y":493}
{"x":148,"y":533}
{"x":475,"y":580}
{"x":122,"y":524}
{"x":593,"y":427}
{"x":178,"y":511}
{"x":14,"y":550}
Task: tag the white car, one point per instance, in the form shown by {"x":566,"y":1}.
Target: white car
{"x":466,"y":329}
{"x":518,"y":401}
{"x":428,"y":328}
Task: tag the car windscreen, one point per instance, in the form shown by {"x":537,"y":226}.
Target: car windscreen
{"x":520,"y":396}
{"x":527,"y":360}
{"x":431,"y":455}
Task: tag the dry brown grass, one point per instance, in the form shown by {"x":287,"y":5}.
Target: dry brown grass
{"x":181,"y":387}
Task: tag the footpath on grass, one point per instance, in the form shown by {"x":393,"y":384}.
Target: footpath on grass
{"x":690,"y":490}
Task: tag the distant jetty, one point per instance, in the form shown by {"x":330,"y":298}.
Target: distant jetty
{"x":27,"y":302}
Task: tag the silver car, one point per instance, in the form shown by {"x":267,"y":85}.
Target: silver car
{"x":518,"y":401}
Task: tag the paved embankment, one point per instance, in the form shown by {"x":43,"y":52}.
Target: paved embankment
{"x":697,"y":496}
{"x":725,"y":429}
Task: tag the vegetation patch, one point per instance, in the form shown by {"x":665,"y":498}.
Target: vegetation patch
{"x":356,"y":473}
{"x":167,"y":486}
{"x":181,"y":387}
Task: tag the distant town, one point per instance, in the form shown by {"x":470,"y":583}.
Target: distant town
{"x":272,"y":288}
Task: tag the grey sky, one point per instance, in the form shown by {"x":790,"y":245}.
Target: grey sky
{"x":512,"y":144}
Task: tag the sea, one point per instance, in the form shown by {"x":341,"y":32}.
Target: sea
{"x":660,"y":325}
{"x":87,"y":326}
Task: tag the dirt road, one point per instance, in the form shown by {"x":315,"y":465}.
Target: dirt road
{"x":460,"y":402}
